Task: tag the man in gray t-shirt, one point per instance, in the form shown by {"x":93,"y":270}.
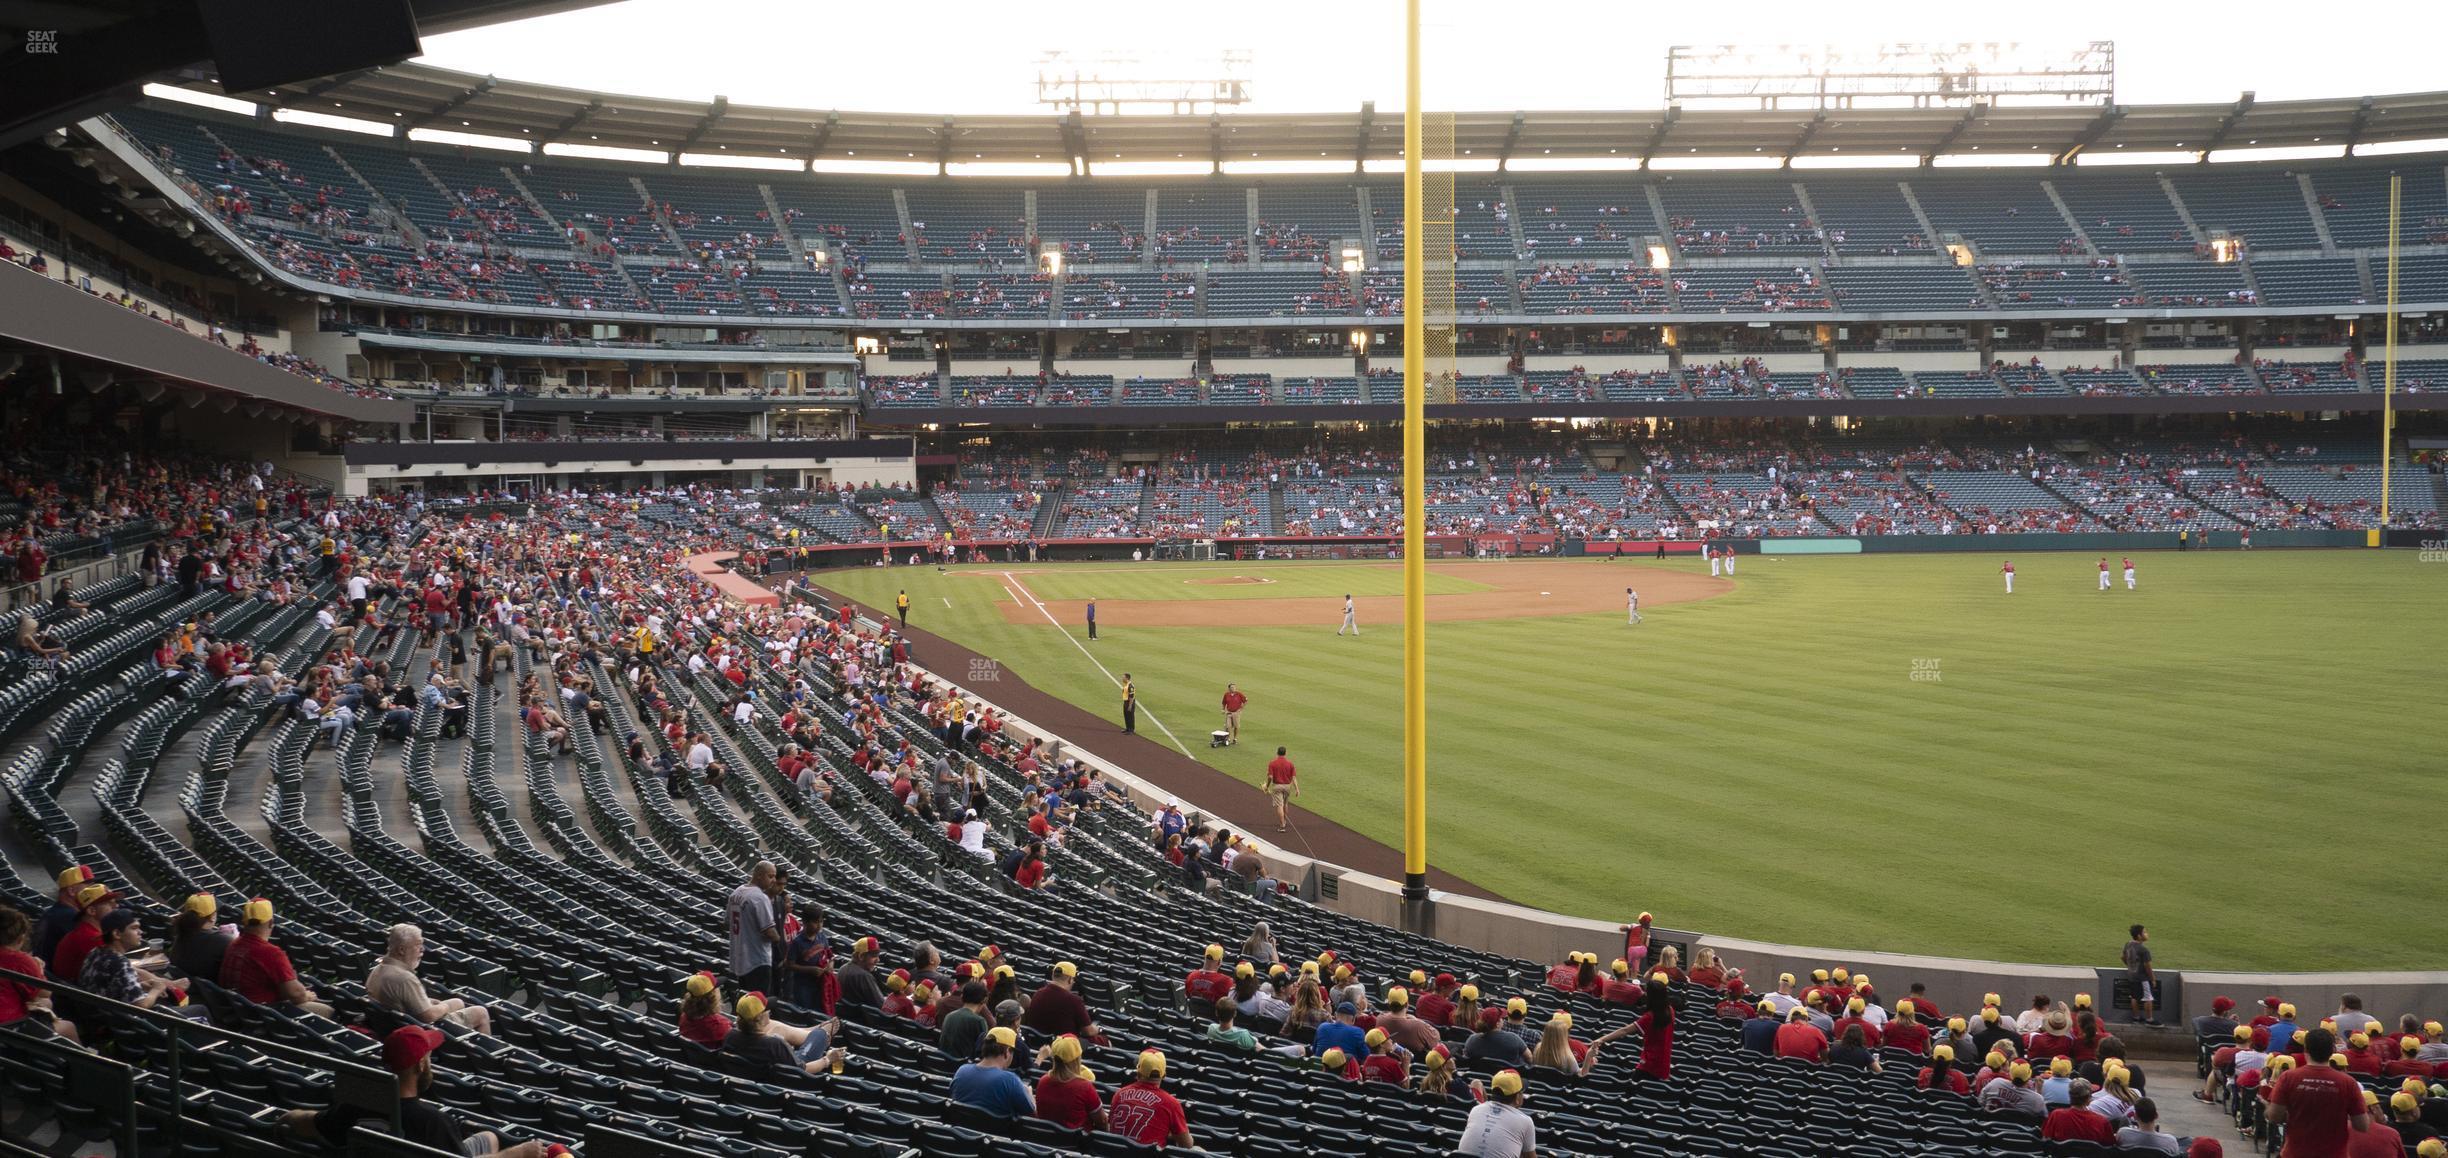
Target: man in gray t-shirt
{"x":753,"y":932}
{"x":2145,"y":981}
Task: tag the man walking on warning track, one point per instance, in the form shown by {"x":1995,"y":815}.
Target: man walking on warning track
{"x":1092,"y":619}
{"x":1282,"y":784}
{"x":901,"y":604}
{"x":1233,"y":701}
{"x":1351,"y":618}
{"x":1130,"y":703}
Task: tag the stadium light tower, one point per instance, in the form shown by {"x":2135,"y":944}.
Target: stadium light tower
{"x":1113,"y":83}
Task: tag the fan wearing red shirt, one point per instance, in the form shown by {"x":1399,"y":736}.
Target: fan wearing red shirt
{"x":1436,"y":1006}
{"x":2076,"y":1121}
{"x":1144,"y":1113}
{"x":1941,"y":1073}
{"x":258,"y":970}
{"x":1066,"y":1094}
{"x":1208,"y":984}
{"x":2407,"y":1066}
{"x":1382,"y":1065}
{"x":1798,"y":1038}
{"x":2318,"y":1104}
{"x":1904,"y":1031}
{"x":1853,"y":1016}
{"x":94,"y":902}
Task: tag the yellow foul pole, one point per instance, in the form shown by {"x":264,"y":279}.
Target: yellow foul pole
{"x":2388,"y":362}
{"x":1415,"y":509}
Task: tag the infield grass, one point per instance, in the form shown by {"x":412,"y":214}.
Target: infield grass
{"x":1878,"y":752}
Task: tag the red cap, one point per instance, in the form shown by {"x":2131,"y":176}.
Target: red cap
{"x":1491,"y":1017}
{"x":556,"y":1150}
{"x":2205,"y":1147}
{"x":408,"y":1045}
{"x":1444,"y":979}
{"x":2272,"y":1002}
{"x":2221,"y":1004}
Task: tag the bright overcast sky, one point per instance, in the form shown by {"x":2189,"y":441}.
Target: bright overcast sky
{"x":971,"y":56}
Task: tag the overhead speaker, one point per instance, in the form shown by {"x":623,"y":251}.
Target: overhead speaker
{"x":261,"y":44}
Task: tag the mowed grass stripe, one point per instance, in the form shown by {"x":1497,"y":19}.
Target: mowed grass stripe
{"x":1763,"y":764}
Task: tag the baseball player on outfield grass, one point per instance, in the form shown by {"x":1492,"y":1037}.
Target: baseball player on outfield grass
{"x":1351,"y":618}
{"x":2129,"y":572}
{"x":2008,"y":572}
{"x":1632,"y":605}
{"x":2103,"y":572}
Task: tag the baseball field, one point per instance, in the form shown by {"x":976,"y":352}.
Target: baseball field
{"x":1881,"y":752}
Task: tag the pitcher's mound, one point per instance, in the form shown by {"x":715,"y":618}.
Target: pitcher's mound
{"x":1224,"y":581}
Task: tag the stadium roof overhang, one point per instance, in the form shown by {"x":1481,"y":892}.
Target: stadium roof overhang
{"x":413,"y":95}
{"x":44,"y":319}
{"x":84,"y":57}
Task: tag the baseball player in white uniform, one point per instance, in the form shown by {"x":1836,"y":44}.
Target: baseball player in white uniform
{"x":2103,"y":572}
{"x":2008,"y":572}
{"x":1351,"y":618}
{"x":1728,"y":552}
{"x":1632,"y":605}
{"x":2129,"y":572}
{"x":1716,"y":565}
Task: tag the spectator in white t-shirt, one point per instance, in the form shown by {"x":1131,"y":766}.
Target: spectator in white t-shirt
{"x":1498,"y":1127}
{"x":973,"y":835}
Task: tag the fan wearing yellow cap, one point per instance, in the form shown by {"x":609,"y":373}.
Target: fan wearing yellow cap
{"x":1055,"y":1010}
{"x":259,"y":970}
{"x":1410,"y":1033}
{"x":755,"y":1040}
{"x":1145,"y":1112}
{"x":1904,"y":1030}
{"x":1208,"y":983}
{"x":63,"y":913}
{"x":988,"y":1084}
{"x":1066,"y":1093}
{"x":197,"y":939}
{"x":1498,"y":1124}
{"x":1941,"y":1073}
{"x":1578,"y":974}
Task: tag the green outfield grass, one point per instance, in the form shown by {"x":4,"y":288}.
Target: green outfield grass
{"x":1109,"y":581}
{"x":1878,"y":752}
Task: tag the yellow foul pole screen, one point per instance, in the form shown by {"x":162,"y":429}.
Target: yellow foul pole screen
{"x":2388,"y":360}
{"x":1415,"y":510}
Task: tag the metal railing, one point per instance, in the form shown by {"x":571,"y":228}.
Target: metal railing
{"x":110,"y":1087}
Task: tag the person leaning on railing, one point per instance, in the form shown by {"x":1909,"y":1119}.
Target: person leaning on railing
{"x":25,"y":1007}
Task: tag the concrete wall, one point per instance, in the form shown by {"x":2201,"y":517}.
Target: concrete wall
{"x":1596,"y":363}
{"x":1125,"y":369}
{"x":1956,"y":361}
{"x":1283,"y":368}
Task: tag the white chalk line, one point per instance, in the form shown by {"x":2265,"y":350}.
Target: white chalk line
{"x":1013,"y":584}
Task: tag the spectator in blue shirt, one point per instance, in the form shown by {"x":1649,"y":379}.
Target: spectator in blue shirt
{"x":988,"y":1084}
{"x":1342,"y":1033}
{"x":1759,"y":1031}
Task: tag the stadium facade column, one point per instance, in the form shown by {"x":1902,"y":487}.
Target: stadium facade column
{"x":1419,"y":912}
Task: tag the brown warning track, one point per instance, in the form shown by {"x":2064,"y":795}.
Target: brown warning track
{"x":1518,"y":589}
{"x":1238,"y":805}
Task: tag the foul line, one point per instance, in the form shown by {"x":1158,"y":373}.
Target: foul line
{"x":1021,"y":590}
